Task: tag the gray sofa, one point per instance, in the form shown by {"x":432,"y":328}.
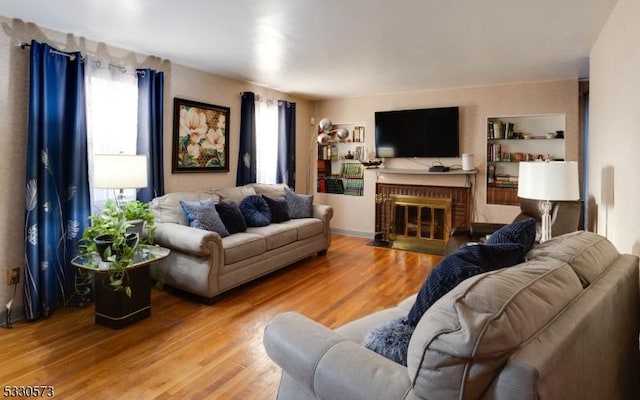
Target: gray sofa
{"x":206,"y":265}
{"x":562,"y":325}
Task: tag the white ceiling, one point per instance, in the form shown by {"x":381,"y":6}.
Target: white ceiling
{"x":343,"y":48}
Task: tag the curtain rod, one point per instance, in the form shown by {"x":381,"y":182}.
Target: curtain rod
{"x":24,"y":45}
{"x":120,"y":68}
{"x":260,"y":97}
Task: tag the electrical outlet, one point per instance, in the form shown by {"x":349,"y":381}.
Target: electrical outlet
{"x":13,"y":276}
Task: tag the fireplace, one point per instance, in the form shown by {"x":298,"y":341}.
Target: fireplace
{"x":420,"y":223}
{"x":399,"y":227}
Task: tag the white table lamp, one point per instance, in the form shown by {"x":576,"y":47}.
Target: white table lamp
{"x":548,"y":181}
{"x":120,"y":171}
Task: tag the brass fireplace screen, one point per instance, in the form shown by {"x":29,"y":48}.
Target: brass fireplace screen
{"x":420,"y":223}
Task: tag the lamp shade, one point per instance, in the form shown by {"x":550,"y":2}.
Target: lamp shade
{"x":120,"y":171}
{"x":549,"y":180}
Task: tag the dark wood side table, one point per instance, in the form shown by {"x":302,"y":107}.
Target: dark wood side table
{"x":114,"y":309}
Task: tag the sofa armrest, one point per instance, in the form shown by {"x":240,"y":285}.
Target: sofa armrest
{"x":329,"y":365}
{"x":188,"y":240}
{"x":322,"y":211}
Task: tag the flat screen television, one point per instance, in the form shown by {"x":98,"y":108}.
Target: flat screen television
{"x":427,"y":132}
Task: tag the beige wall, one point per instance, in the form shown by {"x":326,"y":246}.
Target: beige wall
{"x":614,"y":180}
{"x":355,"y":215}
{"x":180,"y":82}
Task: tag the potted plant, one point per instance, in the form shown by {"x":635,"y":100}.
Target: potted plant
{"x":121,"y":280}
{"x":110,"y":237}
{"x":113,"y":237}
{"x":139,"y":215}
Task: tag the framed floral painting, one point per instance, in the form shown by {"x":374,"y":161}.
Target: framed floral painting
{"x":200,"y":137}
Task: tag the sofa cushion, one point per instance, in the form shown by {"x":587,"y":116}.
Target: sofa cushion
{"x":235,"y":194}
{"x":203,"y":215}
{"x":275,"y":235}
{"x":463,"y":340}
{"x":255,"y":211}
{"x":306,"y":227}
{"x":231,"y":216}
{"x":461,"y":264}
{"x":278,"y":208}
{"x":269,"y":189}
{"x":167,"y":208}
{"x":588,"y":253}
{"x":242,"y":245}
{"x":523,"y":232}
{"x":300,"y":206}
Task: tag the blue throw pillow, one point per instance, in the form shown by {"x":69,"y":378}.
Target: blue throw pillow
{"x":278,"y":208}
{"x":391,"y":340}
{"x":255,"y":211}
{"x":231,"y":217}
{"x":203,"y":215}
{"x":299,"y":205}
{"x":456,"y":267}
{"x":522,"y":232}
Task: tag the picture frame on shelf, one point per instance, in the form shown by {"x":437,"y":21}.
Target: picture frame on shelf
{"x":200,"y":137}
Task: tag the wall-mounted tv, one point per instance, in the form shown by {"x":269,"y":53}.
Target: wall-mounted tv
{"x":427,"y":132}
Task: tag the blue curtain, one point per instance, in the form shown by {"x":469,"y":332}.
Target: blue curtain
{"x":150,"y":114}
{"x":286,"y":171}
{"x":57,"y":184}
{"x":247,"y":154}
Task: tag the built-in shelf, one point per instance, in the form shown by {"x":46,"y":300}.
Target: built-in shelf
{"x":410,"y":171}
{"x":511,"y":139}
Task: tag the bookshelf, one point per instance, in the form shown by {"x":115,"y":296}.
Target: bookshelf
{"x":511,"y":139}
{"x":339,"y":170}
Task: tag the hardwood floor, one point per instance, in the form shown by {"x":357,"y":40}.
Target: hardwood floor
{"x":188,"y":350}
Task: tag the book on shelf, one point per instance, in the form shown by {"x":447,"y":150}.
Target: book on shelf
{"x":352,"y":171}
{"x":506,"y":181}
{"x":353,"y":187}
{"x":322,"y":185}
{"x":334,"y":185}
{"x":494,"y":152}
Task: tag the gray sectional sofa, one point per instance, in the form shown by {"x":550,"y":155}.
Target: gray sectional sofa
{"x":205,"y":264}
{"x":562,"y":325}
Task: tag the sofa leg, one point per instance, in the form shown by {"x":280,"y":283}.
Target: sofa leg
{"x":322,"y":252}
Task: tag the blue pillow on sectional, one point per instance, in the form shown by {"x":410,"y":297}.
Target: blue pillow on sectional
{"x":523,"y":232}
{"x":278,"y":208}
{"x":456,"y":267}
{"x":255,"y":211}
{"x":231,"y":216}
{"x":203,"y":215}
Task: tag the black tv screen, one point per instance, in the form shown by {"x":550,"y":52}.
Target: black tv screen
{"x":427,"y":132}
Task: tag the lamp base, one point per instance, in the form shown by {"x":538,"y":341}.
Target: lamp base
{"x":546,"y":221}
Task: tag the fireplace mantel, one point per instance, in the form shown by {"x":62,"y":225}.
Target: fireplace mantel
{"x":415,"y":171}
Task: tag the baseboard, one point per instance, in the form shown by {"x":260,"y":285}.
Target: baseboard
{"x":348,"y":232}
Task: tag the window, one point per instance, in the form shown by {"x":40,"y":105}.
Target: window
{"x":266,"y":140}
{"x":112,"y":118}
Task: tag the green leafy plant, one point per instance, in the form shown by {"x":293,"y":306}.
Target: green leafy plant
{"x":137,"y":210}
{"x":111,"y":238}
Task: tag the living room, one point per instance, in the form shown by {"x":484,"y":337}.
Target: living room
{"x":613,"y":128}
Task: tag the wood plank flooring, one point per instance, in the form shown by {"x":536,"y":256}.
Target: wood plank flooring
{"x":188,"y":350}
